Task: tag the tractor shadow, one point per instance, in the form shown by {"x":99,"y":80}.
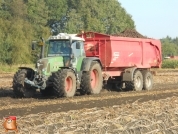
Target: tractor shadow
{"x":6,"y":92}
{"x":113,"y":88}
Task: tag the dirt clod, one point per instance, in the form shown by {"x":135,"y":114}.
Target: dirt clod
{"x":130,"y":33}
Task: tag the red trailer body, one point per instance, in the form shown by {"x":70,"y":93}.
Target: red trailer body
{"x":117,"y":53}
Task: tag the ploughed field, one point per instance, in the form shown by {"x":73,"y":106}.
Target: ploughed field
{"x":145,"y":112}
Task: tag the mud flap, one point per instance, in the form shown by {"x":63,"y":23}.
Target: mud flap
{"x":128,"y":74}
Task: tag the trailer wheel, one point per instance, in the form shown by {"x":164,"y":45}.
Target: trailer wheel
{"x":92,"y":81}
{"x":64,"y":83}
{"x":147,"y":80}
{"x":20,"y":88}
{"x":137,"y":83}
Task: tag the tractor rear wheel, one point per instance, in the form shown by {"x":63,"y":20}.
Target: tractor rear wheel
{"x":20,"y":88}
{"x":92,"y":81}
{"x":64,"y":83}
{"x":147,"y":80}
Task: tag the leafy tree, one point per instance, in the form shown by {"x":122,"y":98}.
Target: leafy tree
{"x":95,"y":15}
{"x":57,"y":10}
{"x":37,"y":15}
{"x":169,"y":46}
{"x":6,"y":47}
{"x":4,"y":10}
{"x":18,"y":9}
{"x":25,"y":20}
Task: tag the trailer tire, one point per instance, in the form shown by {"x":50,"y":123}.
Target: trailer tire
{"x":20,"y":88}
{"x":137,"y":83}
{"x":92,"y":80}
{"x":147,"y":80}
{"x":64,"y":83}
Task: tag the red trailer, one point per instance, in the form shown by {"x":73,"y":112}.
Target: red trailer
{"x":124,"y":59}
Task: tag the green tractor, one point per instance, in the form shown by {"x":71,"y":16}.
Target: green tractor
{"x":64,"y":70}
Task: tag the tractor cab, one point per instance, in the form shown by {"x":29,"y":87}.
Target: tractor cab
{"x":68,"y":46}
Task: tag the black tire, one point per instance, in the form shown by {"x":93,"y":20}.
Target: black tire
{"x":118,"y":86}
{"x":64,"y":83}
{"x":137,"y":83}
{"x":48,"y":91}
{"x":92,"y":80}
{"x":147,"y":80}
{"x":20,"y":88}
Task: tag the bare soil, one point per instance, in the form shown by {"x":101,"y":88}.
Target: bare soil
{"x":151,"y":112}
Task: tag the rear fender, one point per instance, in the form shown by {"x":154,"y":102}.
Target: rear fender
{"x":27,"y":68}
{"x":32,"y":72}
{"x":87,"y":62}
{"x":128,"y":74}
{"x":71,"y":68}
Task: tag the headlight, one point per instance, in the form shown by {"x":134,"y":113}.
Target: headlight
{"x":38,"y":64}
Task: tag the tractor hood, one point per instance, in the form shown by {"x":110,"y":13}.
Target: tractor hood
{"x":46,"y":66}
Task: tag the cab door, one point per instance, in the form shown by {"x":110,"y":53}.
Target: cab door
{"x":78,"y":54}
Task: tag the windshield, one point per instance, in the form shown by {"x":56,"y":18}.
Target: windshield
{"x":60,"y":47}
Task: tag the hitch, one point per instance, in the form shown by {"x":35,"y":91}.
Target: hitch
{"x":32,"y":83}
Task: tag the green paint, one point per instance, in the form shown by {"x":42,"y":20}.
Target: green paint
{"x":54,"y":64}
{"x":79,"y":64}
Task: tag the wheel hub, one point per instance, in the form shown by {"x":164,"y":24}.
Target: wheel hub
{"x":94,"y":78}
{"x":68,"y":84}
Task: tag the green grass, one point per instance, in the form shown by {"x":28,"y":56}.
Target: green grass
{"x":4,"y":68}
{"x":170,"y":64}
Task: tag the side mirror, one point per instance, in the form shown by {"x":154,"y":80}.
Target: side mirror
{"x":78,"y":45}
{"x":33,"y":45}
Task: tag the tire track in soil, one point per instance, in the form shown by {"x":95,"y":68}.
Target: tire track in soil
{"x":21,"y":107}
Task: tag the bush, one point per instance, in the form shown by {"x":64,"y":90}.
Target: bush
{"x":170,"y":63}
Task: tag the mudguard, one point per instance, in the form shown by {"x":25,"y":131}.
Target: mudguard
{"x":87,"y":62}
{"x":26,"y":68}
{"x":30,"y":69}
{"x":128,"y":74}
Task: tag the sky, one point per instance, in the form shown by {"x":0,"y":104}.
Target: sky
{"x":154,"y":18}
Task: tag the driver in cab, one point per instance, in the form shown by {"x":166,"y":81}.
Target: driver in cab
{"x":54,"y":48}
{"x":68,"y":51}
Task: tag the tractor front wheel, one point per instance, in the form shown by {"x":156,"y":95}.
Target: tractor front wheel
{"x":20,"y":88}
{"x":64,"y":83}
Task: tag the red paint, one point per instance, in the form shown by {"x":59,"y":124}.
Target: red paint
{"x":94,"y":78}
{"x":117,"y":53}
{"x":69,"y":84}
{"x":12,"y":117}
{"x":10,"y":123}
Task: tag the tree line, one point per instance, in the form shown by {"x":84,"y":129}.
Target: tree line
{"x":169,"y":46}
{"x":22,"y":21}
